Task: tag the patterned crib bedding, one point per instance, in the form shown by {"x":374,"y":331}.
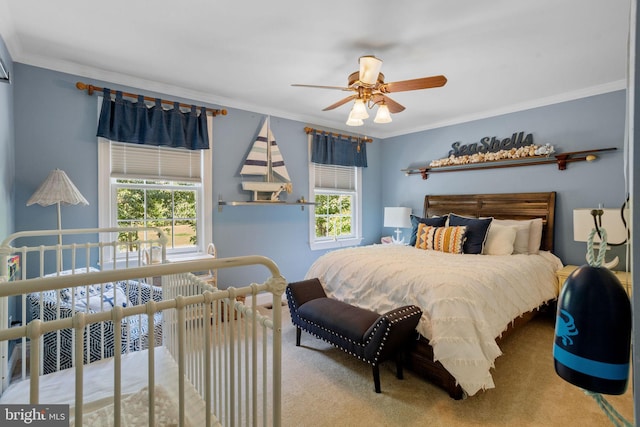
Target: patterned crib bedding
{"x":99,"y":339}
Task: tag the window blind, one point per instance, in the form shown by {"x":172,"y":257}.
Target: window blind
{"x":145,"y":162}
{"x":334,"y":177}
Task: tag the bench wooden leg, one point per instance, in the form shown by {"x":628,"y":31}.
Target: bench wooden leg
{"x":376,"y":378}
{"x":298,"y":333}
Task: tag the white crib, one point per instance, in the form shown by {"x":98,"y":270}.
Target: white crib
{"x":215,"y":361}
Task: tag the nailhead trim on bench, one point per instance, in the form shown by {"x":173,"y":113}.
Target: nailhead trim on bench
{"x":393,"y":318}
{"x":404,"y":313}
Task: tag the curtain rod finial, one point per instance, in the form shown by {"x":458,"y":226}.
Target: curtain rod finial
{"x":83,"y":86}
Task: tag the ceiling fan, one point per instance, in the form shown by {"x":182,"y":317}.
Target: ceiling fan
{"x":370,"y":90}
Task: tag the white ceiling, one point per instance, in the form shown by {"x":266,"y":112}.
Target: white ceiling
{"x":498,"y":55}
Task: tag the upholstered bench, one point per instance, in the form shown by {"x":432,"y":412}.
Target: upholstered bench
{"x":362,"y":333}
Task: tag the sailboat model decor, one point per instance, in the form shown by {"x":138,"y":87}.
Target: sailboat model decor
{"x":265,"y":160}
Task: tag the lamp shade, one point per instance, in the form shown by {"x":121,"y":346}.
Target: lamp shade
{"x":359,"y":110}
{"x":57,"y":188}
{"x":351,"y":121}
{"x":611,"y":221}
{"x":383,"y":115}
{"x":369,"y":69}
{"x":397,"y":217}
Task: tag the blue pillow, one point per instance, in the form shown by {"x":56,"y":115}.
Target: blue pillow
{"x":477,"y":230}
{"x":436,"y":221}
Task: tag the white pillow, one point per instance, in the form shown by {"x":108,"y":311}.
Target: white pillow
{"x":535,"y":236}
{"x":521,"y":244}
{"x":99,"y":299}
{"x":500,"y":240}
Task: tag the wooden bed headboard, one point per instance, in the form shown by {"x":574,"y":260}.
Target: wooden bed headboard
{"x":501,"y":206}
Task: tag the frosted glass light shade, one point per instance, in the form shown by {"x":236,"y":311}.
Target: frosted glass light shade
{"x":359,"y":110}
{"x":351,"y":121}
{"x":369,"y":69}
{"x":383,"y":115}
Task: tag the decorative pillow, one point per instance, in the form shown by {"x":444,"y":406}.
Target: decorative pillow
{"x":93,"y":298}
{"x":476,"y":235}
{"x":529,"y":234}
{"x":500,"y":240}
{"x":443,"y":239}
{"x":521,"y":244}
{"x":436,"y":221}
{"x":535,"y":236}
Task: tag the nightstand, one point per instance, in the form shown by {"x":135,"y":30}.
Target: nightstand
{"x":623,"y":276}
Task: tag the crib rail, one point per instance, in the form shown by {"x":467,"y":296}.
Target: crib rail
{"x":73,"y":251}
{"x":220,"y":345}
{"x":80,"y":254}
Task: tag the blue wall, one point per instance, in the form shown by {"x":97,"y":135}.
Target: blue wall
{"x":588,"y":123}
{"x":7,"y":169}
{"x":55,"y":127}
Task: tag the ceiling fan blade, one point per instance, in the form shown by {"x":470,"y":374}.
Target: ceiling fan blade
{"x":415,"y":84}
{"x":323,"y":87}
{"x":341,"y":102}
{"x":394,"y":107}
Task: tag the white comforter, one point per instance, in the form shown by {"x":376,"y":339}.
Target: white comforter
{"x":467,"y":300}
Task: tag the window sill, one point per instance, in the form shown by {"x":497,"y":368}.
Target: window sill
{"x":188,"y":256}
{"x":333,"y":244}
{"x":121,"y":263}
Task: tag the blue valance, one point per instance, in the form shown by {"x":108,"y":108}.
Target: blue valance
{"x":328,"y":149}
{"x":134,"y":122}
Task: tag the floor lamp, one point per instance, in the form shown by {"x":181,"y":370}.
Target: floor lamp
{"x":57,"y":189}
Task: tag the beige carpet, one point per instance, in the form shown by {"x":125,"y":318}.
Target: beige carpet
{"x":323,"y":386}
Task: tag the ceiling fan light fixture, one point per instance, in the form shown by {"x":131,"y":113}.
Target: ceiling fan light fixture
{"x":359,"y":110}
{"x":369,"y":69}
{"x":383,"y":115}
{"x":352,"y":121}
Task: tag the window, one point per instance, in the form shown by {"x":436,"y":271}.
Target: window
{"x":170,"y":205}
{"x":336,"y":219}
{"x":157,"y":186}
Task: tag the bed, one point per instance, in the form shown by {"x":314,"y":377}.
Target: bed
{"x":213,"y":359}
{"x":469,"y":300}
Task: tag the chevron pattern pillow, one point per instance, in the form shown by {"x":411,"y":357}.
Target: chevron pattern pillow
{"x":443,"y":239}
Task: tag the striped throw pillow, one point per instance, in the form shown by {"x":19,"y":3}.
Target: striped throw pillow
{"x":443,"y":239}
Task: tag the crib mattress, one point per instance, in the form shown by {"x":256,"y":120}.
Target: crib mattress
{"x":59,"y":387}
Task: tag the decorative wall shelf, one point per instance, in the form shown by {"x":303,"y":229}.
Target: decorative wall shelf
{"x":302,"y":203}
{"x":561,"y":159}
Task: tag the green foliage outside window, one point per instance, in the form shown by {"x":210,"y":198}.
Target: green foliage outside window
{"x":144,"y":204}
{"x":333,"y":215}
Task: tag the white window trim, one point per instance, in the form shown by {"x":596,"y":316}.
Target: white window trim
{"x":205,"y":202}
{"x":354,"y":240}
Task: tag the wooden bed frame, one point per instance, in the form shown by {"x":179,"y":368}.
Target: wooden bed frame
{"x":520,"y":206}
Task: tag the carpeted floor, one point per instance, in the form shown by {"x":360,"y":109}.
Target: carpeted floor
{"x":323,"y":386}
